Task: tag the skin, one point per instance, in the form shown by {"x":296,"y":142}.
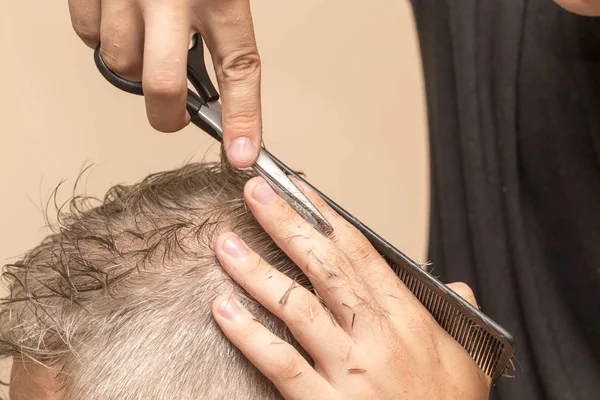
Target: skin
{"x":383,"y":344}
{"x":589,"y":8}
{"x":148,"y":40}
{"x":30,"y":381}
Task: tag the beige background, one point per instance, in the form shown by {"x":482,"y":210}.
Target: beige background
{"x":342,"y":98}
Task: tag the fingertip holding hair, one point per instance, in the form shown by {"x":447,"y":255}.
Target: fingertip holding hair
{"x":226,"y":306}
{"x":242,"y":152}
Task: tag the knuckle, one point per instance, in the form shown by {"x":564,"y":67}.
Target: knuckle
{"x":305,"y":309}
{"x":240,"y":66}
{"x":164,"y":85}
{"x":337,"y":264}
{"x":86,"y":33}
{"x":362,"y":252}
{"x":119,"y":62}
{"x":259,"y":268}
{"x":464,"y":291}
{"x":358,"y":249}
{"x":286,"y":368}
{"x":243,"y":119}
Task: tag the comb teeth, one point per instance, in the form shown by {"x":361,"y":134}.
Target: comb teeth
{"x":486,"y":349}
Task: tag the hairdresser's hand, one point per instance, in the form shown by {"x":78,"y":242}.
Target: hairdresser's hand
{"x":376,"y":342}
{"x":148,"y":40}
{"x":584,"y":7}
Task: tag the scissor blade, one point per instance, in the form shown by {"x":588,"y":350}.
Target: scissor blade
{"x":277,"y":179}
{"x":284,"y":186}
{"x":215,"y":105}
{"x":212,"y":117}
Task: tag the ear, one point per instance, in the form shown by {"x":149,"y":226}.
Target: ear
{"x":31,"y":381}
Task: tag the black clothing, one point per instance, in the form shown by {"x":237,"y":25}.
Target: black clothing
{"x":513,"y":95}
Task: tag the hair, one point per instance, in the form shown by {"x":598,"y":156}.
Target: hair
{"x":117,"y":299}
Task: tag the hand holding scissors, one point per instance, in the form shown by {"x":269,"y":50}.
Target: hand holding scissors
{"x":205,"y":111}
{"x":147,"y":41}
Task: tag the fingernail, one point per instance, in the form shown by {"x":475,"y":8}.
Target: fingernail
{"x":264,"y":194}
{"x":229,"y":309}
{"x":234,"y":247}
{"x":242,"y":150}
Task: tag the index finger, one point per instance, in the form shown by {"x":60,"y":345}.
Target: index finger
{"x":331,"y":273}
{"x":229,"y":35}
{"x":278,"y":360}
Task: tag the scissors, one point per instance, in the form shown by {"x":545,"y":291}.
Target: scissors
{"x":205,"y":112}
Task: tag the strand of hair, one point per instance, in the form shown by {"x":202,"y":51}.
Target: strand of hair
{"x":286,"y":295}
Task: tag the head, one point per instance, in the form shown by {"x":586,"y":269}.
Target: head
{"x":116,"y":302}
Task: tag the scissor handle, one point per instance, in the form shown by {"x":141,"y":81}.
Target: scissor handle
{"x":197,"y":75}
{"x":126,"y":85}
